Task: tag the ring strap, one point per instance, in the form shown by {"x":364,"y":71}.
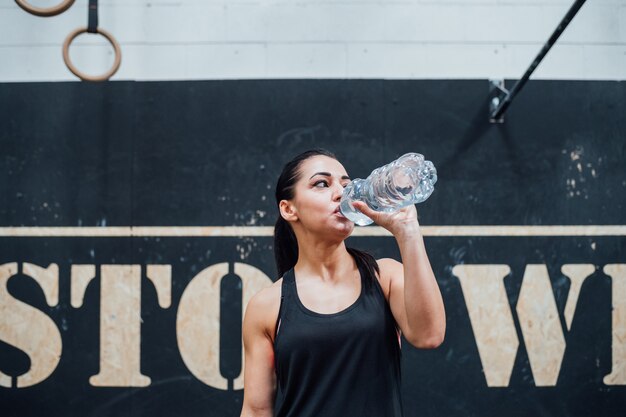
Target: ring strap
{"x":92,"y":22}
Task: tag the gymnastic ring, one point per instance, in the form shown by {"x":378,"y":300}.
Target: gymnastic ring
{"x":45,"y":11}
{"x":85,"y":77}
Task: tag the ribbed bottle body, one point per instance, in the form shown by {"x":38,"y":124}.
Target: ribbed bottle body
{"x":408,"y":180}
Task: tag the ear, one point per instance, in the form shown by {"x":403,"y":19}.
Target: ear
{"x":288,"y":211}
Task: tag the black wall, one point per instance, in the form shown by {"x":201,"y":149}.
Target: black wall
{"x":208,"y":153}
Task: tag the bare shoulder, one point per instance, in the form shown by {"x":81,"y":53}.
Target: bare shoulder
{"x":389,"y":268}
{"x":263,"y":302}
{"x":262,"y":309}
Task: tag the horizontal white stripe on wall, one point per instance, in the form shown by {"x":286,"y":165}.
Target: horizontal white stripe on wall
{"x":194,"y":39}
{"x":267,"y":231}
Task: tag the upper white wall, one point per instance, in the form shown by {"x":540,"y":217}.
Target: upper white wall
{"x":210,"y":39}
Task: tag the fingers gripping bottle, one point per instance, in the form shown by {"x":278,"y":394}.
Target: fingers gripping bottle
{"x":407,"y":180}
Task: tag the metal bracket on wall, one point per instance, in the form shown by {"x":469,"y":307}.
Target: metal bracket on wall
{"x":500,"y":97}
{"x":497,"y":93}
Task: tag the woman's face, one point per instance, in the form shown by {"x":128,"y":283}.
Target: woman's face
{"x":315,"y":205}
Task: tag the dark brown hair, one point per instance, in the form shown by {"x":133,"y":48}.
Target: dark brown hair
{"x":285,"y":242}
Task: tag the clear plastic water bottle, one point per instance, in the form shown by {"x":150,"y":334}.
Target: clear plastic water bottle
{"x":407,"y":180}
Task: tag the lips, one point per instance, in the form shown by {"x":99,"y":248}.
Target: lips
{"x":338,"y":213}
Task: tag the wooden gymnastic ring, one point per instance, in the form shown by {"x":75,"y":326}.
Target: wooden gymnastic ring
{"x":85,"y":77}
{"x":45,"y":11}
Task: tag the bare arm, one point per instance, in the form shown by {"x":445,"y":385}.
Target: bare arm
{"x":414,"y":295}
{"x":259,"y":376}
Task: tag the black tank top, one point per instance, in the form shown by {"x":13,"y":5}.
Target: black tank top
{"x":345,"y":364}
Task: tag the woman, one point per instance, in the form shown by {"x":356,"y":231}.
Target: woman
{"x":324,"y":340}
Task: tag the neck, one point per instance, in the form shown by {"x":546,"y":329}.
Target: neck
{"x":323,"y":259}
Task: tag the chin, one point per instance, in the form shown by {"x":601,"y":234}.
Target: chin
{"x":344,"y":229}
{"x":334,"y":230}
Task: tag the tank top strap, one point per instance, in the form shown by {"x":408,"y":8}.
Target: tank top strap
{"x":374,"y":286}
{"x":287,"y":288}
{"x":288,"y":278}
{"x":371,"y":286}
{"x":375,"y":290}
{"x":286,"y":294}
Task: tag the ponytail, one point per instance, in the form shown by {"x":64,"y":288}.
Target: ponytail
{"x":285,"y":246}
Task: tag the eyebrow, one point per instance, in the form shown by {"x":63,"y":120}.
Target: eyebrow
{"x":327,"y":174}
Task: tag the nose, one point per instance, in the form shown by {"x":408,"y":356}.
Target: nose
{"x":337,"y":192}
